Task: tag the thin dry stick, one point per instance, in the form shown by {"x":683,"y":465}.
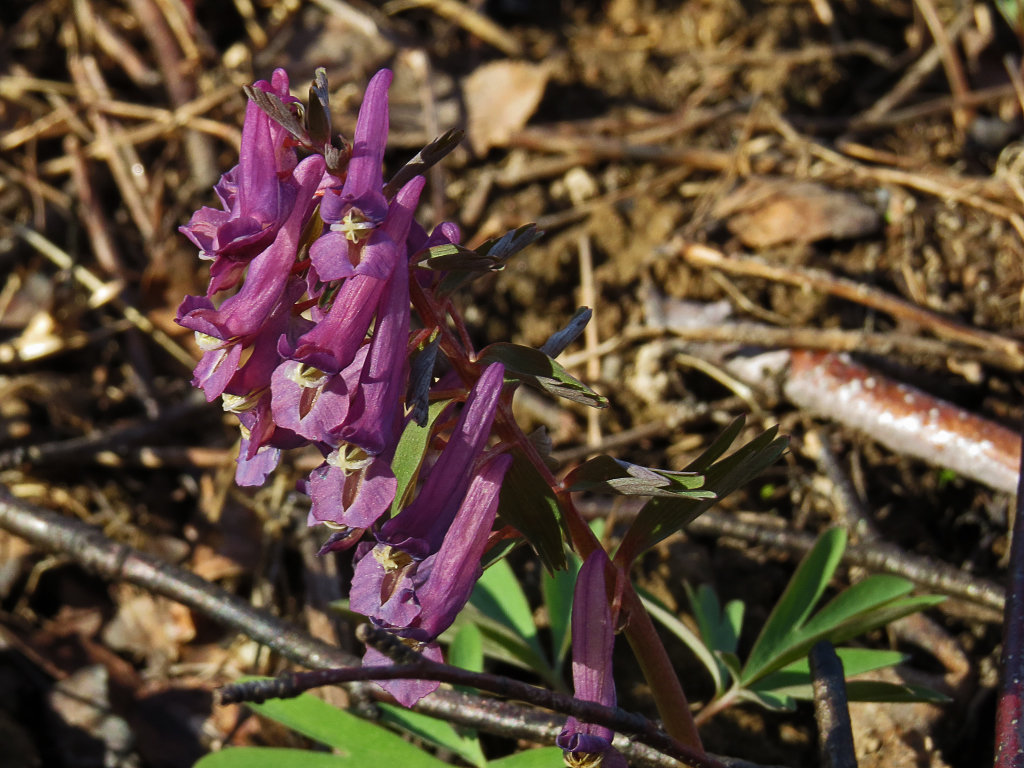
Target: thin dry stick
{"x":179,"y":86}
{"x":860,"y":293}
{"x":588,"y":298}
{"x":164,"y":123}
{"x":90,"y":212}
{"x":101,"y":292}
{"x":109,"y":447}
{"x":120,"y":156}
{"x":647,"y":187}
{"x":950,"y":62}
{"x":911,"y":79}
{"x":826,"y":339}
{"x":112,"y":44}
{"x":973,"y":192}
{"x":466,"y":17}
{"x":596,"y":148}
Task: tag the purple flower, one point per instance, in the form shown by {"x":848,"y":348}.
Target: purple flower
{"x":593,"y":636}
{"x":422,"y":569}
{"x":331,"y":344}
{"x":245,"y":312}
{"x":359,"y":206}
{"x":350,"y":491}
{"x":257,"y":194}
{"x":421,"y":526}
{"x":420,"y":600}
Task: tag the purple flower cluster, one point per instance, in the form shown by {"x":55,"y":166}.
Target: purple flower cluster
{"x":305,"y":332}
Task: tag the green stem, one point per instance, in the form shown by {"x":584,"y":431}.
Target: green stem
{"x":715,"y":706}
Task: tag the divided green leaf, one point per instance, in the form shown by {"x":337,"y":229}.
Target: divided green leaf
{"x":528,"y":504}
{"x":604,"y":473}
{"x":534,"y":368}
{"x":661,"y":517}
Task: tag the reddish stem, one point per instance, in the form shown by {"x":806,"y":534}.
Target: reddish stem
{"x":1010,"y":711}
{"x":640,"y":632}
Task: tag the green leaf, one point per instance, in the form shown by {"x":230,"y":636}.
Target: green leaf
{"x":421,"y":376}
{"x":719,"y":627}
{"x":660,"y":613}
{"x":499,"y":551}
{"x":719,"y":445}
{"x":427,"y":157}
{"x":604,"y":473}
{"x":440,"y":733}
{"x":1013,"y":12}
{"x":557,"y":589}
{"x":466,"y":650}
{"x":801,"y":643}
{"x":661,"y":517}
{"x":798,"y":600}
{"x":409,"y":454}
{"x":528,"y":504}
{"x":353,"y":738}
{"x":544,"y":757}
{"x":318,"y":112}
{"x":273,"y":757}
{"x":768,"y":699}
{"x":453,"y":257}
{"x":497,"y":251}
{"x":879,"y":690}
{"x":278,"y":112}
{"x":865,"y":595}
{"x":795,"y":679}
{"x":502,"y":643}
{"x":534,"y":368}
{"x":499,"y":596}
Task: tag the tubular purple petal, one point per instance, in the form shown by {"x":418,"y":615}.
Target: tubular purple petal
{"x":428,"y":517}
{"x":244,"y":313}
{"x":406,"y":692}
{"x":593,"y":638}
{"x":456,"y":566}
{"x":363,"y":188}
{"x":353,"y":499}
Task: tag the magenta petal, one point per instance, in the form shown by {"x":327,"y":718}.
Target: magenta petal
{"x":329,"y":254}
{"x":215,"y":370}
{"x":456,"y":566}
{"x":383,"y":592}
{"x":355,"y":500}
{"x":593,"y":634}
{"x":253,"y":471}
{"x":364,"y":183}
{"x":313,"y":412}
{"x":377,"y":402}
{"x":244,"y":313}
{"x":429,"y":515}
{"x":332,"y":343}
{"x":406,"y":692}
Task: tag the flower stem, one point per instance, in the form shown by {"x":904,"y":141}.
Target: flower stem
{"x":640,"y":632}
{"x":659,"y":672}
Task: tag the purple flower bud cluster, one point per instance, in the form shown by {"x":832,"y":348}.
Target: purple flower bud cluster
{"x":305,"y":332}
